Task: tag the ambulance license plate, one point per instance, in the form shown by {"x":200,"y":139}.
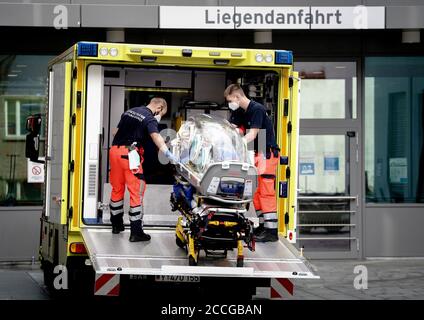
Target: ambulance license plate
{"x":177,"y":279}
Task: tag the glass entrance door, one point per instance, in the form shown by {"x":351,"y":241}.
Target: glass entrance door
{"x":329,"y":210}
{"x":328,"y":193}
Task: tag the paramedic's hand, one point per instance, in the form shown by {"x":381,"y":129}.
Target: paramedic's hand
{"x":171,"y":156}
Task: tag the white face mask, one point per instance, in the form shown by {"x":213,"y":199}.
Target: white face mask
{"x":233,"y":105}
{"x":158,"y":117}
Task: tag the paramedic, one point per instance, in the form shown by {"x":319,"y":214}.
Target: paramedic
{"x":136,"y":126}
{"x":250,"y":115}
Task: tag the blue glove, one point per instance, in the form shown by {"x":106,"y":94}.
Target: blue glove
{"x":171,"y":156}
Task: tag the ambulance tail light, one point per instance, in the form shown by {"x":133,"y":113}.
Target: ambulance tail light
{"x":77,"y":248}
{"x":87,"y":49}
{"x":283,"y":57}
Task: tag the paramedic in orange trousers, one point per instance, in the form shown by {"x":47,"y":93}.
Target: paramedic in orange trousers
{"x":252,"y":116}
{"x":136,"y":126}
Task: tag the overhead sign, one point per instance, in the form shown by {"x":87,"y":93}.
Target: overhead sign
{"x":35,"y":172}
{"x":215,"y":17}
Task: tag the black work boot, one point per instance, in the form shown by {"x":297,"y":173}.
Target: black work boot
{"x":117,"y":223}
{"x":137,"y":233}
{"x":259,"y":229}
{"x":267,"y":235}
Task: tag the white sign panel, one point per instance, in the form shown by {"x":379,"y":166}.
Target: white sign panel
{"x":35,"y":172}
{"x":271,"y":18}
{"x":186,"y":17}
{"x":359,"y":17}
{"x":398,"y":170}
{"x":215,"y":17}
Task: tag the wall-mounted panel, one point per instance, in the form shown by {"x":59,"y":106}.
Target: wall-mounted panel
{"x":39,"y":15}
{"x":119,"y":16}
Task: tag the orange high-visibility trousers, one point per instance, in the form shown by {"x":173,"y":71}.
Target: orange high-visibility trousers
{"x":264,"y":199}
{"x":121,"y":176}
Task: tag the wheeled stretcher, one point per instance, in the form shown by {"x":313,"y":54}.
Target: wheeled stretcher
{"x":215,"y":184}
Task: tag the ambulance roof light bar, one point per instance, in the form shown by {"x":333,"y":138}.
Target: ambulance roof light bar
{"x":283,"y":57}
{"x":87,"y":49}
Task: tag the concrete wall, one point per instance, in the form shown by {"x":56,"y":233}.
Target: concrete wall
{"x":394,"y":231}
{"x":19,"y":233}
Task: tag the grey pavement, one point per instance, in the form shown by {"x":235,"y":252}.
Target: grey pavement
{"x":22,"y":282}
{"x":387,"y":279}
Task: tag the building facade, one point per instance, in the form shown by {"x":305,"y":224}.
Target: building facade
{"x":361,"y":161}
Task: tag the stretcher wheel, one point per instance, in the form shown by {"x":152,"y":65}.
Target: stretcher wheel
{"x":192,"y":261}
{"x":240,"y":262}
{"x":180,"y":243}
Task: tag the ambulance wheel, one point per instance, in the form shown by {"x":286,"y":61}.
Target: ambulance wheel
{"x":240,"y":262}
{"x":47,"y":268}
{"x":180,"y":243}
{"x":192,"y":261}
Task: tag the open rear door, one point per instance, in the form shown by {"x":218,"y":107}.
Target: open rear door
{"x":111,"y":253}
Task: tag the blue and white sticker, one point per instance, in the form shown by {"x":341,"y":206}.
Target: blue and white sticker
{"x":248,"y":188}
{"x":213,"y":185}
{"x":307,"y":168}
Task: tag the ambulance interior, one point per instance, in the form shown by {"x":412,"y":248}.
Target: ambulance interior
{"x":111,"y":90}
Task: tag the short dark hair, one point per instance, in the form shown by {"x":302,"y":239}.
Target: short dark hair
{"x":235,"y":87}
{"x":161,"y":101}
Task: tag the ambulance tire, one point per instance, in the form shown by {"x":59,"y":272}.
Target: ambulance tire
{"x":80,"y":277}
{"x":47,"y":268}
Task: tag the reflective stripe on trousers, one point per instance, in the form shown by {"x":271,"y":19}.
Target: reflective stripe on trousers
{"x":136,"y":213}
{"x":121,"y":177}
{"x":116,"y":207}
{"x":270,"y":220}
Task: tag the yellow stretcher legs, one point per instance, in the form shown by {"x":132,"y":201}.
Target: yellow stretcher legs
{"x":192,"y":252}
{"x":187,"y":242}
{"x":240,"y":256}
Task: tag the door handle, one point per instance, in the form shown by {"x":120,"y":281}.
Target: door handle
{"x":351,"y":134}
{"x":58,"y":200}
